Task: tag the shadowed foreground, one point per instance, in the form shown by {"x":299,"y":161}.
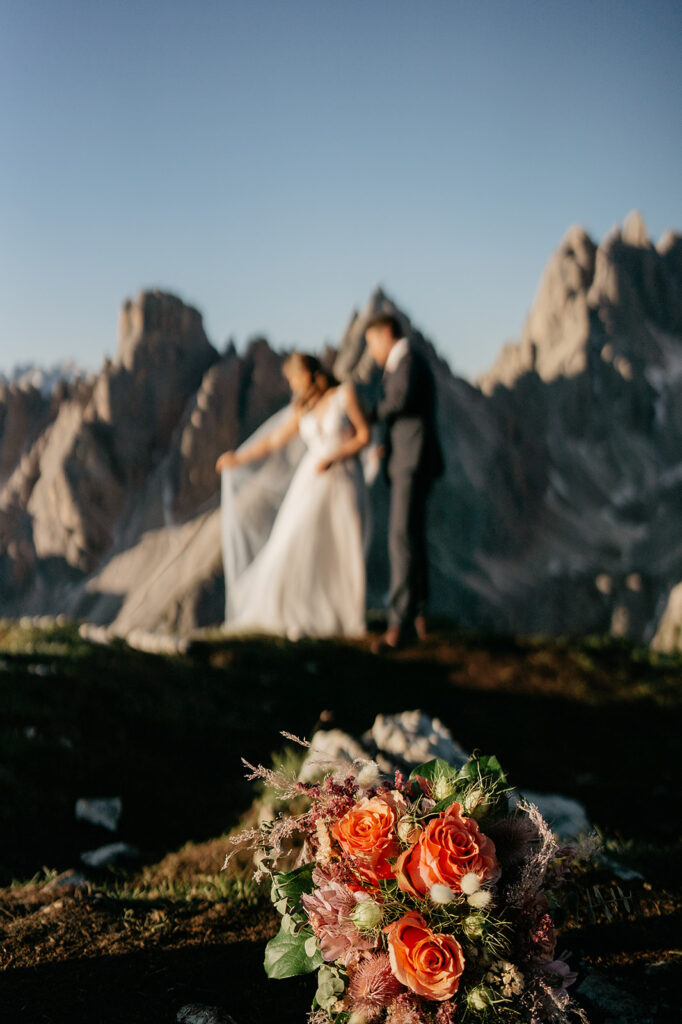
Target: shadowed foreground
{"x":595,"y":720}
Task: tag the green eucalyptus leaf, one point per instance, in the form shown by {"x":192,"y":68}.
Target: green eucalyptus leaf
{"x":330,"y":986}
{"x":286,"y":956}
{"x":288,"y":924}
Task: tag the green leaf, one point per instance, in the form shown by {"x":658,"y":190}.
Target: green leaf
{"x":443,"y":804}
{"x":487,"y":767}
{"x":431,"y":770}
{"x":285,"y":955}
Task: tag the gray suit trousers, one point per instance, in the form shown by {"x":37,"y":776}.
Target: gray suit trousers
{"x":407,"y":548}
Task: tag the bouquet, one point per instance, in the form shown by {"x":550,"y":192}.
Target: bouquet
{"x":417,"y":900}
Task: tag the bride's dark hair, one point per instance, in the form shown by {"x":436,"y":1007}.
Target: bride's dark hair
{"x":322,"y":378}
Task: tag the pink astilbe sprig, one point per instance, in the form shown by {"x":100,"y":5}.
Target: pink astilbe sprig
{"x":331,"y":799}
{"x":373,"y":986}
{"x":537,"y":934}
{"x":445,"y":1014}
{"x":405,"y":1009}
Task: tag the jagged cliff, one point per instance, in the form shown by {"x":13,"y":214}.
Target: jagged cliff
{"x":560,"y":509}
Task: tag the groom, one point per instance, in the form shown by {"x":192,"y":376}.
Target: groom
{"x":413,"y":461}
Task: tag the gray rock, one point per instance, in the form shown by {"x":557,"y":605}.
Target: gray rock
{"x":411,"y":737}
{"x":668,"y":635}
{"x":329,"y":746}
{"x":394,"y":741}
{"x":103,"y":811}
{"x":110,"y":855}
{"x":196,"y":1013}
{"x":615,"y":1004}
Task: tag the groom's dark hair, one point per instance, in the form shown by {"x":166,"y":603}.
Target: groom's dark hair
{"x":386,"y":320}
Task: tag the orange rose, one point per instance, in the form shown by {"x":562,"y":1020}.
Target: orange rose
{"x":450,"y":846}
{"x":367,"y":833}
{"x":428,"y":963}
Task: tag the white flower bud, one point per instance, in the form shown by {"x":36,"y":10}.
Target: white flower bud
{"x":367,"y":915}
{"x":478,"y":998}
{"x":442,"y":787}
{"x":472,"y":799}
{"x":408,"y":831}
{"x":469,"y":883}
{"x":473,"y":925}
{"x":441,"y":894}
{"x":479,"y":900}
{"x":357,"y":1018}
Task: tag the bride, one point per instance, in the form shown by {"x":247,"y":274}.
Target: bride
{"x":308,"y":577}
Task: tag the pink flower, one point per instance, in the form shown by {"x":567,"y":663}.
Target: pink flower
{"x":329,"y":908}
{"x":373,"y":986}
{"x":558,"y":973}
{"x":405,"y":1009}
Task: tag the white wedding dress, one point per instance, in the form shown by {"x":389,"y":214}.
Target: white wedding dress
{"x":293,"y":537}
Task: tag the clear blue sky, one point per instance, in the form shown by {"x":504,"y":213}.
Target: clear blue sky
{"x":272,"y":161}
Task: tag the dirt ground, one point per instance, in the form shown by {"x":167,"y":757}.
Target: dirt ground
{"x":596,"y":720}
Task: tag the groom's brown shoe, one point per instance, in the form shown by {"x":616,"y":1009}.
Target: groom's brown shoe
{"x":388,"y":641}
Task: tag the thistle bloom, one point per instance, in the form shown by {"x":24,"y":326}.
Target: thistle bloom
{"x":372,"y":987}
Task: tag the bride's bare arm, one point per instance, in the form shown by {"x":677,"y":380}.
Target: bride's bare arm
{"x":264,"y":446}
{"x":358,"y":440}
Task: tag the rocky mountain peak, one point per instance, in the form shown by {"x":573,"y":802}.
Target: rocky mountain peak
{"x":621,"y":295}
{"x":157,"y":325}
{"x":634,"y":231}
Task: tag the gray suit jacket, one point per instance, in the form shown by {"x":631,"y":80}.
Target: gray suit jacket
{"x":408,"y":409}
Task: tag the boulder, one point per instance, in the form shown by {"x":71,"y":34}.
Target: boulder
{"x":102,"y":811}
{"x":410,"y":738}
{"x":197,"y":1013}
{"x":668,"y":636}
{"x":110,"y":855}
